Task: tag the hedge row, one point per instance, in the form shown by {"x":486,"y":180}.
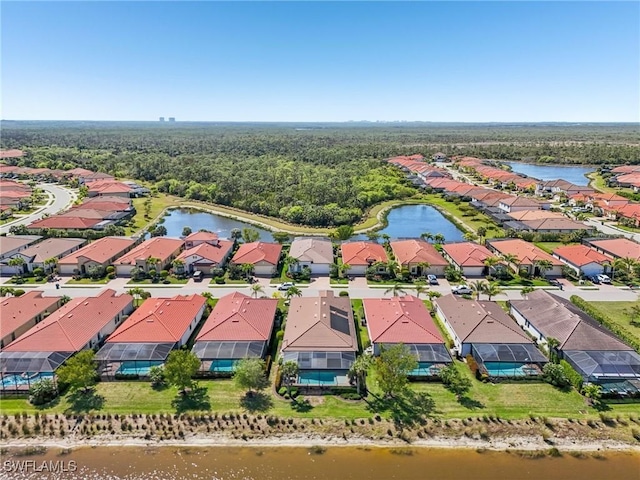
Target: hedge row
{"x":606,"y":322}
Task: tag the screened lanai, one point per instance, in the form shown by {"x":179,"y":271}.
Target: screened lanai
{"x":432,"y":357}
{"x":220,"y":357}
{"x":131,"y":358}
{"x":321,"y":368}
{"x":20,"y":370}
{"x":595,"y":366}
{"x":508,"y":360}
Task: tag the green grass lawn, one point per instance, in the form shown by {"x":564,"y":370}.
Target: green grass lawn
{"x":339,"y":281}
{"x":147,"y":281}
{"x":480,"y":220}
{"x":549,"y":247}
{"x":228,"y":281}
{"x":599,"y":183}
{"x":28,"y":280}
{"x":90,"y":281}
{"x":358,"y":314}
{"x":615,"y":311}
{"x":158,"y":204}
{"x":523,"y":282}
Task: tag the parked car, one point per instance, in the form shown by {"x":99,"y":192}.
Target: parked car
{"x":286,"y":286}
{"x":432,"y":279}
{"x":595,"y":280}
{"x":461,"y":290}
{"x":604,"y":278}
{"x":197,"y":276}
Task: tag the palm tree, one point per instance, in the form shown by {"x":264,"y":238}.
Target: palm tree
{"x":178,"y":265}
{"x":553,"y":344}
{"x":392,"y":267}
{"x":470,"y":236}
{"x":50,"y":264}
{"x":277,"y":295}
{"x":492,"y":289}
{"x":478,"y":286}
{"x":395,"y":290}
{"x":373,"y":236}
{"x":152,"y":263}
{"x":420,"y":288}
{"x":293,"y":292}
{"x":512,"y":259}
{"x":438,"y":238}
{"x":526,"y":291}
{"x":543,"y":266}
{"x":19,"y":263}
{"x":247,"y":269}
{"x":289,"y":261}
{"x":359,"y":369}
{"x":491,"y":262}
{"x":256,"y":289}
{"x":423,"y":266}
{"x":139,"y":294}
{"x":426,"y":236}
{"x":288,"y":374}
{"x":626,"y":265}
{"x":343,"y":269}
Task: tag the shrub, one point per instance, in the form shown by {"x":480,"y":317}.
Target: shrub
{"x":156,"y":375}
{"x":43,"y":391}
{"x":219,"y":280}
{"x":555,"y":375}
{"x":343,"y":293}
{"x":574,"y":377}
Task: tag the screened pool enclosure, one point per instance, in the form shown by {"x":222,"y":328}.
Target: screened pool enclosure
{"x":20,"y":370}
{"x":432,"y":357}
{"x":220,"y":357}
{"x":508,"y":360}
{"x":321,"y":369}
{"x":131,"y":358}
{"x":595,"y":366}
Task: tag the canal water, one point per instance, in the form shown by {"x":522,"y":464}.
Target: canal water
{"x":337,"y":463}
{"x":573,"y":174}
{"x":408,"y":221}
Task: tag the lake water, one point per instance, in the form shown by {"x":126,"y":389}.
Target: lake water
{"x":573,"y":174}
{"x":344,"y":463}
{"x":406,"y":221}
{"x":180,"y":218}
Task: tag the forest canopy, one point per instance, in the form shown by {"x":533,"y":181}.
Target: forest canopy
{"x":312,"y":174}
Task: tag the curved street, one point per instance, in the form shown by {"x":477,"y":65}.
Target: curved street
{"x":60,"y":198}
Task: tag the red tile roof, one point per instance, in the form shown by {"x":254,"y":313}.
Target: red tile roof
{"x":619,"y":247}
{"x":400,"y":320}
{"x":64,"y":222}
{"x":526,"y":252}
{"x":256,"y":252}
{"x":201,"y":237}
{"x":160,"y":320}
{"x":213,"y":253}
{"x":239,"y":317}
{"x":100,"y":251}
{"x":467,"y":254}
{"x":70,"y":328}
{"x":102,"y":187}
{"x":416,"y":251}
{"x":580,"y":255}
{"x":16,"y":311}
{"x":157,"y":247}
{"x":362,"y":253}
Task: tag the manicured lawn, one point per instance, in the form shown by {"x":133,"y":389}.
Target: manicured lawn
{"x":339,"y":281}
{"x":158,"y":204}
{"x":615,"y":311}
{"x":228,"y":281}
{"x":84,"y":281}
{"x":598,"y":183}
{"x":549,"y":247}
{"x":27,"y":280}
{"x":475,"y":222}
{"x":363,"y":333}
{"x":518,"y":281}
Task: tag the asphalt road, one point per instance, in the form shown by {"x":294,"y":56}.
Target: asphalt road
{"x":60,"y":198}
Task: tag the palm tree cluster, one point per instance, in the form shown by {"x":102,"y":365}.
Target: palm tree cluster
{"x":491,"y":289}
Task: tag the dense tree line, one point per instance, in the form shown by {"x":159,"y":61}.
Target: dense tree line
{"x":321,"y":175}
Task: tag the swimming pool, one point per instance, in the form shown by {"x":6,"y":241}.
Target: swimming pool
{"x":137,"y":368}
{"x":510,"y":369}
{"x":26,"y":378}
{"x":226,"y":365}
{"x":322,"y":377}
{"x":427,"y":369}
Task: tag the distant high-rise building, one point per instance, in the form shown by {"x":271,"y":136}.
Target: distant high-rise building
{"x":172,"y":119}
{"x":162,"y":119}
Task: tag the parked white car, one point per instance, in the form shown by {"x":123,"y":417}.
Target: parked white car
{"x":461,"y":290}
{"x":604,"y":278}
{"x":286,"y":286}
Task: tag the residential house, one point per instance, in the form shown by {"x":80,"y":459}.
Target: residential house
{"x":585,"y":261}
{"x":83,"y":323}
{"x":9,"y":247}
{"x":36,"y":255}
{"x":527,"y":254}
{"x":320,"y":337}
{"x":629,"y":214}
{"x":517,"y":204}
{"x":63,"y":222}
{"x":205,"y":256}
{"x":262,"y":255}
{"x":146,"y":338}
{"x":559,"y":224}
{"x":631,"y":180}
{"x":21,"y":313}
{"x":238,"y":327}
{"x":361,"y":255}
{"x":197,"y":238}
{"x":617,"y":248}
{"x":592,"y":350}
{"x":161,"y":251}
{"x":483,"y":330}
{"x":100,"y":253}
{"x":406,"y":320}
{"x":468,"y":257}
{"x":419,"y":257}
{"x":109,"y":188}
{"x":312,"y":252}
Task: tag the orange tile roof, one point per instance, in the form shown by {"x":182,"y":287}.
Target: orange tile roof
{"x":524,"y":215}
{"x":256,"y":252}
{"x":362,"y":253}
{"x":108,"y":186}
{"x":618,"y":247}
{"x":526,"y":252}
{"x":630,"y":178}
{"x":100,"y":251}
{"x":157,"y":247}
{"x":70,"y":328}
{"x":400,"y":320}
{"x":239,"y":317}
{"x":160,"y":320}
{"x":416,"y":251}
{"x":16,"y":311}
{"x":63,"y":222}
{"x":467,"y":254}
{"x":213,"y":253}
{"x":201,"y":236}
{"x":580,"y":255}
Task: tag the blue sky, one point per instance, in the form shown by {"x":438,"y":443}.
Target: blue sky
{"x":321,"y":61}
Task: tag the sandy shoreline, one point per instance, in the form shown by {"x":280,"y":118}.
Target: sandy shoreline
{"x":526,"y":443}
